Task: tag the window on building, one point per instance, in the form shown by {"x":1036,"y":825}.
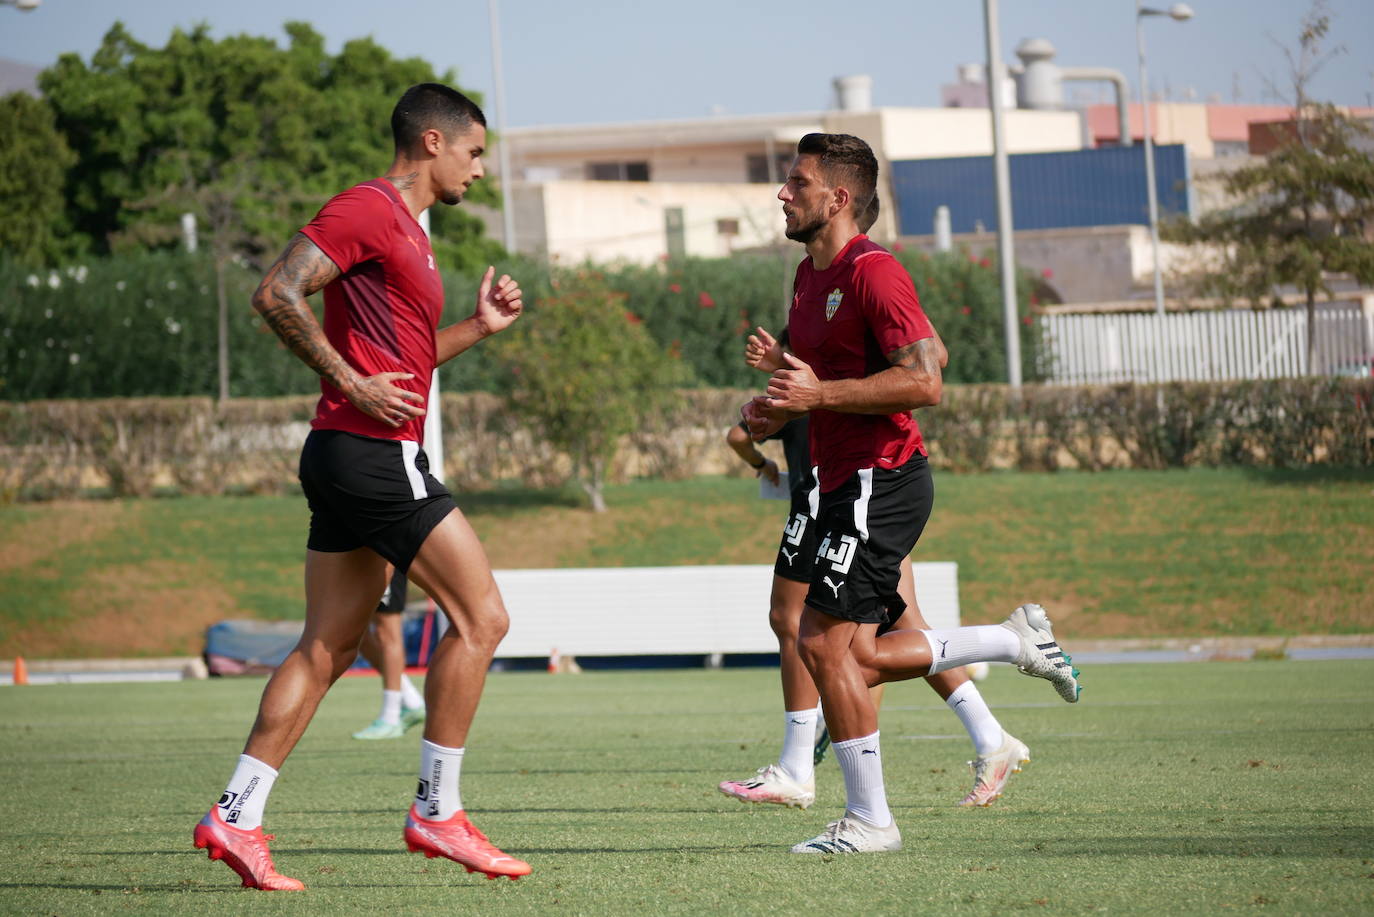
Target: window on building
{"x":727,"y":227}
{"x":618,"y":171}
{"x":757,"y":166}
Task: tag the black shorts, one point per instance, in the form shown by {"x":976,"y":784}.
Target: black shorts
{"x":375,"y":493}
{"x":797,"y":551}
{"x":866,"y":526}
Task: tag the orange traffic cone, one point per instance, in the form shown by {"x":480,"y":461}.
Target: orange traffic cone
{"x":554,"y":661}
{"x":21,"y":671}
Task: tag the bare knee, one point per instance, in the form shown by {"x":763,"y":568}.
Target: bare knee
{"x":484,"y":629}
{"x":813,"y":650}
{"x":326,"y":661}
{"x":865,"y":655}
{"x":494,"y":626}
{"x":784,"y":621}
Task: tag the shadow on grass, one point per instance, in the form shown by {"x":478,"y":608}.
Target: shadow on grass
{"x":530,"y":810}
{"x":124,"y":888}
{"x":1306,"y":477}
{"x":1300,"y":842}
{"x":227,"y":888}
{"x":506,"y":499}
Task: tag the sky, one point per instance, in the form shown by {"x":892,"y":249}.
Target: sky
{"x":573,"y":63}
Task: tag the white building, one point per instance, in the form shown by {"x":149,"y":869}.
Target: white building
{"x":708,"y":186}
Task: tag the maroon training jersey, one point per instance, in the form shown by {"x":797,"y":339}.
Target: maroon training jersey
{"x":382,"y":311}
{"x":843,"y":322}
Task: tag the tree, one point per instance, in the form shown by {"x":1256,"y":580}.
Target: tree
{"x":585,"y":371}
{"x":248,"y":137}
{"x":1302,"y":213}
{"x":34,"y":159}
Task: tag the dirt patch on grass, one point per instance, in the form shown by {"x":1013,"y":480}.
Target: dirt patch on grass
{"x":1072,"y":614}
{"x":56,"y":528}
{"x":543,"y":539}
{"x":527,"y":541}
{"x":158,"y":608}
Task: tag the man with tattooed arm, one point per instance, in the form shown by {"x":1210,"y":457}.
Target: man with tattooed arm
{"x":372,"y":498}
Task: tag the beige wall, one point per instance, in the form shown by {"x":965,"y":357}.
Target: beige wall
{"x":931,"y":133}
{"x":609,"y":221}
{"x":707,"y":163}
{"x":1185,"y":123}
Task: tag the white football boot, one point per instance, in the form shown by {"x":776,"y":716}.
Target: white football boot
{"x":852,"y":834}
{"x":772,"y":784}
{"x":991,"y":772}
{"x":1040,"y":654}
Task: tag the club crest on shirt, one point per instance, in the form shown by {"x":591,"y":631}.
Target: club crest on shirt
{"x":832,"y":303}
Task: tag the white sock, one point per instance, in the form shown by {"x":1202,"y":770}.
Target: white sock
{"x":437,"y":796}
{"x":862,"y":766}
{"x":245,"y":796}
{"x":962,"y":645}
{"x":798,"y":758}
{"x":968,"y":704}
{"x":391,"y":707}
{"x":411,"y":699}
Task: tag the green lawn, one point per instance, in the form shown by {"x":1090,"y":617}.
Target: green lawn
{"x":1184,"y":788}
{"x":1116,"y":554}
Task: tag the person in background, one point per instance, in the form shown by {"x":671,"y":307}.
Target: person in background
{"x":384,"y":647}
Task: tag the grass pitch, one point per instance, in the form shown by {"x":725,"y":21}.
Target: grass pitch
{"x":1171,"y":788}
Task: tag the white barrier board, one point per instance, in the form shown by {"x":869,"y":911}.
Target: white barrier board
{"x":634,"y":611}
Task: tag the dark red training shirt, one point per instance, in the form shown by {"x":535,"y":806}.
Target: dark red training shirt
{"x":382,"y":311}
{"x":843,"y":322}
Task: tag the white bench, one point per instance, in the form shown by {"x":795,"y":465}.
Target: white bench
{"x":650,"y":611}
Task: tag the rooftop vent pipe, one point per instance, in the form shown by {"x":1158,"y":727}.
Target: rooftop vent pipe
{"x":854,"y":93}
{"x":1040,"y":84}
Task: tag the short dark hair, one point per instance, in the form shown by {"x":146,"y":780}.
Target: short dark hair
{"x":845,"y":161}
{"x":870,"y":215}
{"x":428,"y":106}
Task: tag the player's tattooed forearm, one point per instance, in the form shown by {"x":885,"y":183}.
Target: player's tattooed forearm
{"x":404,"y":182}
{"x":281,"y":301}
{"x":921,"y":356}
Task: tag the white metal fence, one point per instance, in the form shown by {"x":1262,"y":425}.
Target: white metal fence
{"x":1094,"y":349}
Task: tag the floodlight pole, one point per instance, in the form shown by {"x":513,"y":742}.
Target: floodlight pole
{"x":498,"y":92}
{"x":1178,"y":12}
{"x":1005,"y":245}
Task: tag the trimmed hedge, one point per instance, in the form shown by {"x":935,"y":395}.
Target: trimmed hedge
{"x":144,"y":325}
{"x":1278,"y":423}
{"x":129,"y":447}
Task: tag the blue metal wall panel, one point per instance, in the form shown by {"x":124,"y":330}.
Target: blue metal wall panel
{"x":1104,"y":187}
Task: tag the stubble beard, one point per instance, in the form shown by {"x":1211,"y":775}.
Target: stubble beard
{"x":806,"y":232}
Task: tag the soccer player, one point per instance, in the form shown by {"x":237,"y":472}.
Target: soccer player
{"x":372,"y":498}
{"x":863,"y":357}
{"x":791,"y":781}
{"x":383,"y":645}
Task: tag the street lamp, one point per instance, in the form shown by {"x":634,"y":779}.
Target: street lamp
{"x":1178,"y":12}
{"x":498,"y":89}
{"x":1002,"y":180}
